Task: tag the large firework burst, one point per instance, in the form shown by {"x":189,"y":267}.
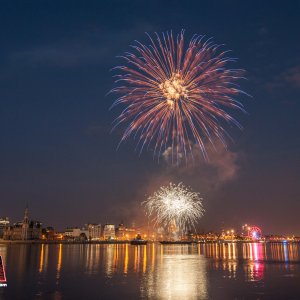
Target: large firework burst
{"x":175,"y":96}
{"x":175,"y":205}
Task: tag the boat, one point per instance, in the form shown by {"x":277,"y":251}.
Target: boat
{"x":176,"y":242}
{"x":138,"y":241}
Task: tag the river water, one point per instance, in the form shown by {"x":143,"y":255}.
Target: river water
{"x":155,"y":271}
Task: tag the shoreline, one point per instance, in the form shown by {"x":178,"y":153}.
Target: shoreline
{"x":34,"y":242}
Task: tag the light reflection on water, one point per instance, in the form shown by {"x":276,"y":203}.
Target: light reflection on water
{"x":181,"y":274}
{"x":153,"y":271}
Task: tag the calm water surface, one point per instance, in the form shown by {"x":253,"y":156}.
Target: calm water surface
{"x":204,"y":271}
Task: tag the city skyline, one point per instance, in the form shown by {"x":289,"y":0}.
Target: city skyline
{"x":36,"y":227}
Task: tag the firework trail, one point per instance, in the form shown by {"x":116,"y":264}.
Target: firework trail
{"x":175,"y":205}
{"x":175,"y":95}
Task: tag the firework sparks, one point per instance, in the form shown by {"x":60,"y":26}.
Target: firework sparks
{"x":175,"y":205}
{"x":176,"y":96}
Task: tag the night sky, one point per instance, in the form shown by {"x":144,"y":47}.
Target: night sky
{"x":57,"y":152}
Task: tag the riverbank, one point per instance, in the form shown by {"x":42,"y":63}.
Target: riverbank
{"x":12,"y":242}
{"x":61,"y":242}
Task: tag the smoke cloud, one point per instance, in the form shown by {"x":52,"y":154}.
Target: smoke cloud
{"x":220,"y":167}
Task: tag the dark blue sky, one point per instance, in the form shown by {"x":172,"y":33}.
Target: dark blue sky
{"x":57,"y":152}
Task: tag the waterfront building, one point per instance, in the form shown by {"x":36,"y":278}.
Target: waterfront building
{"x":4,"y":223}
{"x":76,"y":234}
{"x":72,"y":232}
{"x":48,"y":233}
{"x":124,"y":233}
{"x":121,"y":231}
{"x":25,"y":230}
{"x":228,"y":235}
{"x":109,"y":232}
{"x":94,"y":231}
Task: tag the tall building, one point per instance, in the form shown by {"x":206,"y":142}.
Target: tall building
{"x":25,"y":225}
